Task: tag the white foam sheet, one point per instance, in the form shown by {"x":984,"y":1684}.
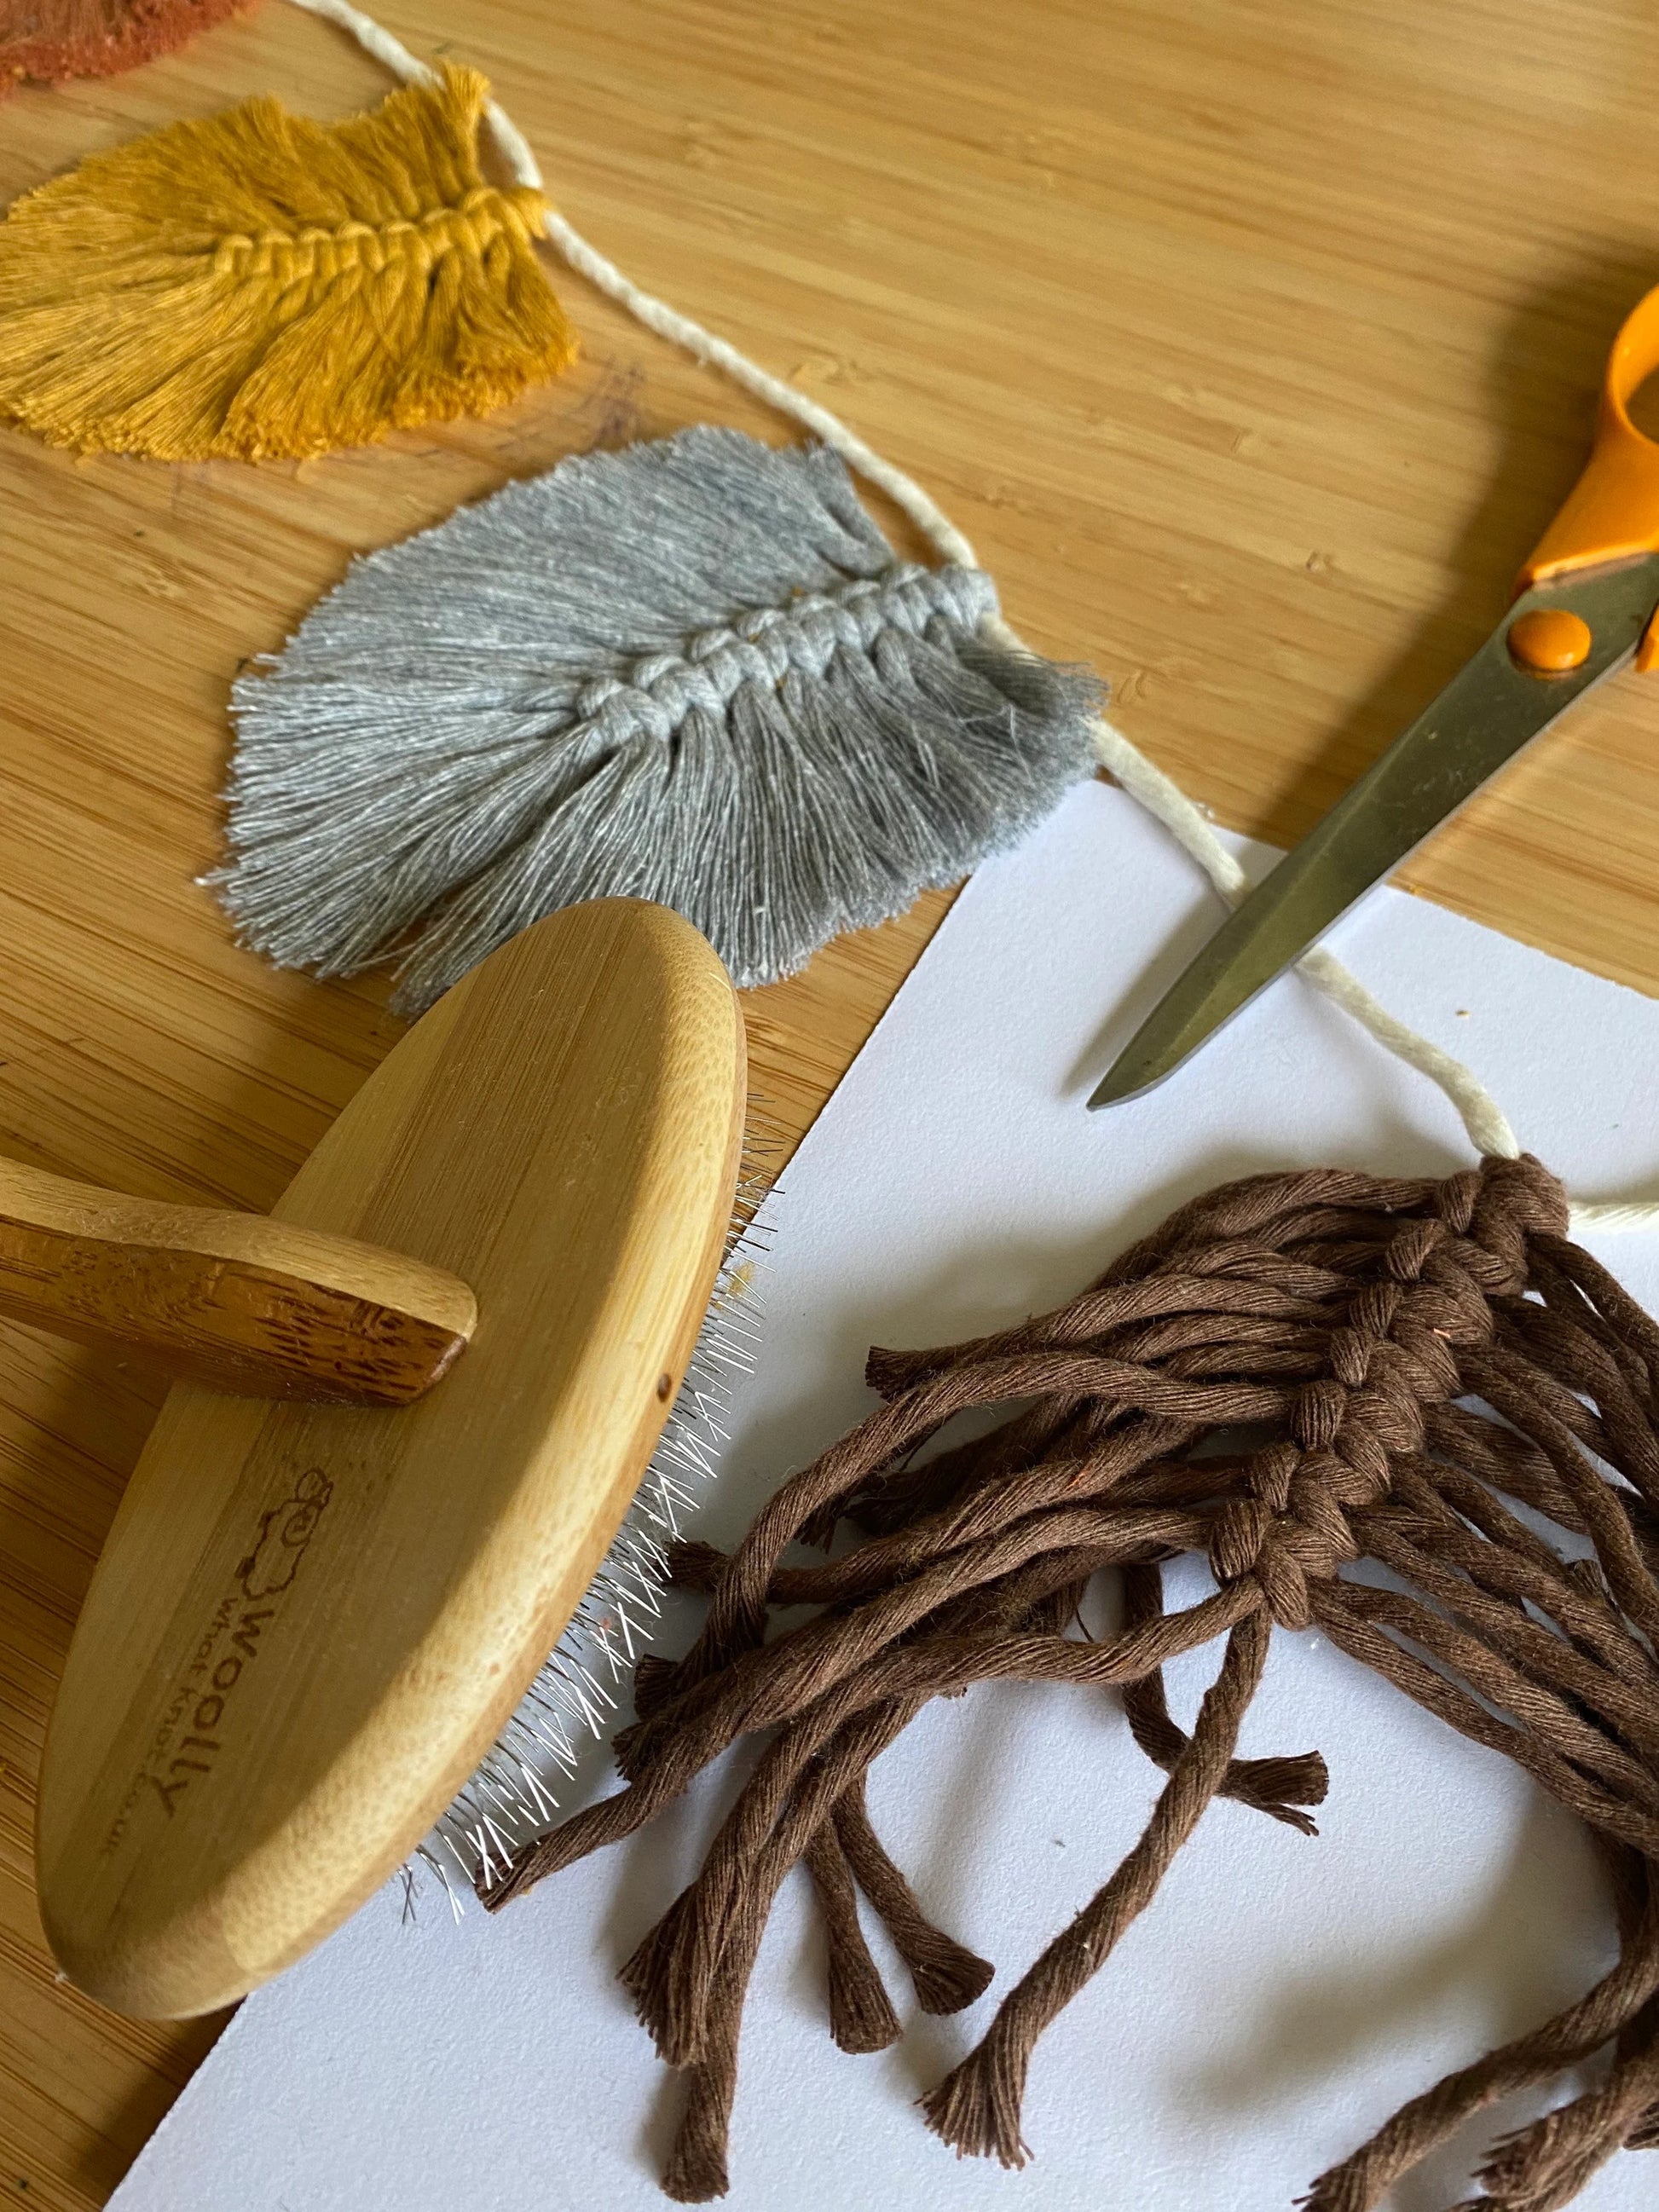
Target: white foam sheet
{"x":1282,"y":1995}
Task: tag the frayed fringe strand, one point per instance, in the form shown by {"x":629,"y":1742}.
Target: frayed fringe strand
{"x":975,"y":2108}
{"x":259,"y":286}
{"x":692,"y":672}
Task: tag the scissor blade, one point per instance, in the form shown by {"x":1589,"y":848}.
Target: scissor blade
{"x":1487,"y":714}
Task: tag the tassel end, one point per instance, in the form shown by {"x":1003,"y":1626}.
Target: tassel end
{"x":948,"y":1976}
{"x":696,"y":2171}
{"x":862,"y":2015}
{"x":975,"y":2108}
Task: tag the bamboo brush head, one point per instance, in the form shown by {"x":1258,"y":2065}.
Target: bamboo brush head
{"x":311,"y":1622}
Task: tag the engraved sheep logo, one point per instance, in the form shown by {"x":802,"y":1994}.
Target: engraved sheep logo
{"x":284,"y":1532}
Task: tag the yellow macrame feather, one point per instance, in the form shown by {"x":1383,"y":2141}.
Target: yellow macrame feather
{"x":260,"y":285}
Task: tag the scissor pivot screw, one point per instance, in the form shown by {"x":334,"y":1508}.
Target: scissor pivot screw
{"x":1549,"y":641}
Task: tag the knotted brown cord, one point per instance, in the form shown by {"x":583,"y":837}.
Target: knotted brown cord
{"x":1280,"y":1378}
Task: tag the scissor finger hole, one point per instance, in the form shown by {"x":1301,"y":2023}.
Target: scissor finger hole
{"x":1642,"y":407}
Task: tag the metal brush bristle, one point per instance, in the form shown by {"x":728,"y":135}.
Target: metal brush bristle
{"x":515,"y":1794}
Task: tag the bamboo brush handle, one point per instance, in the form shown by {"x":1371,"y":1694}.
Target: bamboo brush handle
{"x":236,"y":1301}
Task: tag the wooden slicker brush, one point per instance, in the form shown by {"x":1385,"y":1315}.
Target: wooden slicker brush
{"x":1294,"y":1373}
{"x":413,"y":1406}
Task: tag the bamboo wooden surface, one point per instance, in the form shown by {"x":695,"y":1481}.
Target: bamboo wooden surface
{"x":1252,"y":341}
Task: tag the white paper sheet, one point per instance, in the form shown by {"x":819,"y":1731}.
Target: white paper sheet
{"x":1282,"y":1996}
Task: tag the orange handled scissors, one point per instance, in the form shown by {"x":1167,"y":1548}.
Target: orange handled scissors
{"x":1588,"y":601}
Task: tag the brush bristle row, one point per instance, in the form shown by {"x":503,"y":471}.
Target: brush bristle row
{"x":514,"y":1795}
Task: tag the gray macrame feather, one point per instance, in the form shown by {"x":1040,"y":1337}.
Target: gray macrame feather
{"x":693,"y":672}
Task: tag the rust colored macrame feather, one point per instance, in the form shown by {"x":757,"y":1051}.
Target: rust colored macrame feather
{"x":47,"y":40}
{"x":1294,"y":1373}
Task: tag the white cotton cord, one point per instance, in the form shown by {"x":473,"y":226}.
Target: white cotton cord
{"x":391,"y":54}
{"x":1487,"y":1126}
{"x":1614,"y":1217}
{"x":679,"y":329}
{"x":1165,"y":801}
{"x":373,"y":38}
{"x":1481,"y":1115}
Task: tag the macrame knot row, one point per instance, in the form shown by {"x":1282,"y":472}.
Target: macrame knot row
{"x":318,"y":256}
{"x":764,"y":645}
{"x":253,"y":284}
{"x":1394,"y":1353}
{"x":1294,"y":1373}
{"x":692,"y":671}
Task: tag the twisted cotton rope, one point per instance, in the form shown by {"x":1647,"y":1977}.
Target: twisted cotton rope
{"x":1487,"y":1127}
{"x":659,"y":690}
{"x":1342,"y":1318}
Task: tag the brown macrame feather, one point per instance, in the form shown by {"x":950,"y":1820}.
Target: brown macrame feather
{"x":1279,"y":1378}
